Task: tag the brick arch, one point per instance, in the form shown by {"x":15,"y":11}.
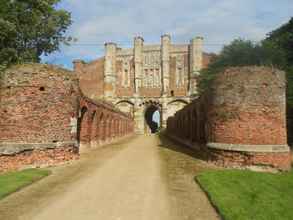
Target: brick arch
{"x":116,"y":127}
{"x":120,"y":127}
{"x":94,"y":129}
{"x":99,"y":126}
{"x":178,"y":100}
{"x":125,"y":101}
{"x":126,"y":106}
{"x":107,"y":127}
{"x":111,"y":130}
{"x":84,"y":127}
{"x":102,"y":127}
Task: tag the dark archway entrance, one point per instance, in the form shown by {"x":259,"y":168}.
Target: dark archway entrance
{"x":152,"y":119}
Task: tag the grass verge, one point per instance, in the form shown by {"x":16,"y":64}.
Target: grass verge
{"x":244,"y":195}
{"x":13,"y":181}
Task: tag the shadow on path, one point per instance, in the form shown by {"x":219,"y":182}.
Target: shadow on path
{"x":180,"y":148}
{"x":180,"y":165}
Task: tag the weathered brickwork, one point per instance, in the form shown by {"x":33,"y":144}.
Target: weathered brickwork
{"x":241,"y":118}
{"x":91,"y":77}
{"x":228,"y":159}
{"x":44,"y":117}
{"x":100,"y":123}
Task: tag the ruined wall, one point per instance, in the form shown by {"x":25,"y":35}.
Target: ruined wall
{"x":100,"y":122}
{"x":91,"y":77}
{"x":38,"y":112}
{"x":45,"y":120}
{"x":242,"y":118}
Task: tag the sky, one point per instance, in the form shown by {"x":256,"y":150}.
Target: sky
{"x":156,"y":117}
{"x":218,"y":21}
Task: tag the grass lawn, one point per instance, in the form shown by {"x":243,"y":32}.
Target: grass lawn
{"x":13,"y":181}
{"x":246,"y":195}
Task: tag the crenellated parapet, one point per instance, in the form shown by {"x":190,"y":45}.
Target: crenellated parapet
{"x":110,"y":72}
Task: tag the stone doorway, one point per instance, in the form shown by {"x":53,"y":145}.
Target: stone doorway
{"x":153,"y":119}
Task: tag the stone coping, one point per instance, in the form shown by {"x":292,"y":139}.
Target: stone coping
{"x":14,"y":148}
{"x":186,"y":143}
{"x":249,"y":147}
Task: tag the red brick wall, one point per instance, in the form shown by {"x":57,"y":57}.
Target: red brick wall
{"x":207,"y":58}
{"x":247,"y":106}
{"x":261,"y":126}
{"x":237,"y":159}
{"x":43,"y":117}
{"x":244,"y":107}
{"x":91,"y":78}
{"x":37,"y":104}
{"x":101,"y":122}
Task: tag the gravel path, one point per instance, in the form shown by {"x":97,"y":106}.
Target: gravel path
{"x":139,"y":178}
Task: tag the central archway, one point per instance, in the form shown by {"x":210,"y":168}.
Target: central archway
{"x":152,"y":117}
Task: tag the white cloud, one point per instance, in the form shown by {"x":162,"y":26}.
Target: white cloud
{"x":219,"y":21}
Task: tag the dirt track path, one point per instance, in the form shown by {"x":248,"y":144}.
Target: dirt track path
{"x":141,"y":178}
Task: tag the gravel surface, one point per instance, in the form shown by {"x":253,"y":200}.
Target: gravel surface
{"x":139,"y":178}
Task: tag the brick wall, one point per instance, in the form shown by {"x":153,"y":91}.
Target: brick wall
{"x":100,"y":122}
{"x":44,"y":117}
{"x":39,"y":106}
{"x":241,"y":118}
{"x":91,"y":78}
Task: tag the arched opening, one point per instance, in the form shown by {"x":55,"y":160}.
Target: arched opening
{"x":125,"y":106}
{"x":94,"y":130}
{"x":83,"y":128}
{"x":153,"y":119}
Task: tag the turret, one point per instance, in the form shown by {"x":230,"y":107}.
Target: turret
{"x":138,"y":57}
{"x":165,"y":59}
{"x":110,"y":70}
{"x":196,"y":60}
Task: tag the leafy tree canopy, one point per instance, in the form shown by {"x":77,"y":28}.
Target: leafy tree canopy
{"x":30,"y":28}
{"x":283,"y":38}
{"x":243,"y":53}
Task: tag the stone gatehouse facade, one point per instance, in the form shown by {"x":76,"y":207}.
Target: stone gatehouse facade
{"x":145,"y":78}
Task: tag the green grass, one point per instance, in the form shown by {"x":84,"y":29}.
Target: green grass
{"x":13,"y":181}
{"x":249,"y":195}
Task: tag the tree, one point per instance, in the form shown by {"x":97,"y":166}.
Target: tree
{"x":243,"y":53}
{"x":30,"y":28}
{"x":283,"y":38}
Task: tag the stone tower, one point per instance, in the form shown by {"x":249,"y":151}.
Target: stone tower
{"x":110,"y":73}
{"x":196,"y":63}
{"x":138,"y":56}
{"x":165,"y":59}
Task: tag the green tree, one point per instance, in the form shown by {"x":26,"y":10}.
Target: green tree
{"x":243,"y":53}
{"x":30,"y":28}
{"x":283,"y":38}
